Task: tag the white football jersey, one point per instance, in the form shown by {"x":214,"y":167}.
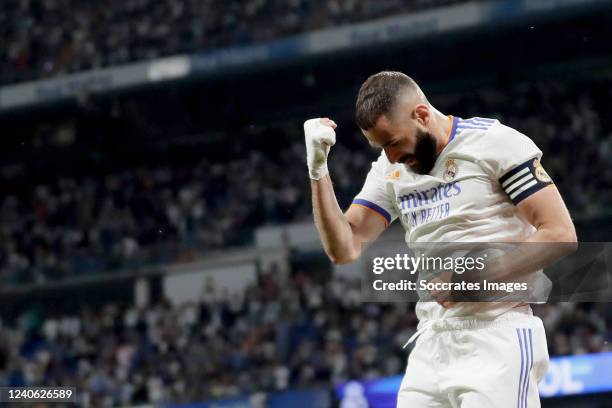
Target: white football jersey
{"x":485,"y":169}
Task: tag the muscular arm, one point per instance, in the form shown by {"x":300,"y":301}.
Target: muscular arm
{"x":342,"y":234}
{"x":555,"y":236}
{"x":546,"y":211}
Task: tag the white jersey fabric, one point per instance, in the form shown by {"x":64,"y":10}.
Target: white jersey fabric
{"x":469,"y":196}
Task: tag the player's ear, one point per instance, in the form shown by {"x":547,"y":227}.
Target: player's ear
{"x":421,"y":114}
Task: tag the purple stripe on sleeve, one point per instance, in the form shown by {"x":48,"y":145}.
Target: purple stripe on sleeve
{"x":374,"y":207}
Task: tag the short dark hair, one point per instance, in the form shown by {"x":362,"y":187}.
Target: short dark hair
{"x":377,"y":96}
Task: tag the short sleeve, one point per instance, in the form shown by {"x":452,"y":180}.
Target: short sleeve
{"x":514,"y":160}
{"x":376,"y":195}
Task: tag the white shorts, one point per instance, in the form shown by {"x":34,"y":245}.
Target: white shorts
{"x":475,"y":363}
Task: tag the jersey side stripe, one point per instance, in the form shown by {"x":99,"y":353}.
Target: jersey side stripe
{"x":522,"y":375}
{"x":530,"y":365}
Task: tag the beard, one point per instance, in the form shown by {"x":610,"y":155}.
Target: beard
{"x":424,"y":153}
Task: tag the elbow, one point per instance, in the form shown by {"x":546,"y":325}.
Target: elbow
{"x":571,"y":238}
{"x":567,"y":237}
{"x":559,"y":239}
{"x":558,"y":232}
{"x":571,"y":241}
{"x":342,"y":258}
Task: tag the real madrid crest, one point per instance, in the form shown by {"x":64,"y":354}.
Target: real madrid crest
{"x":450,"y":170}
{"x":540,"y":173}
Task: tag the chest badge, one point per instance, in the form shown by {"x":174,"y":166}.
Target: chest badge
{"x":450,"y":170}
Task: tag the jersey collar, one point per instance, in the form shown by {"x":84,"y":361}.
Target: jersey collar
{"x":451,"y":132}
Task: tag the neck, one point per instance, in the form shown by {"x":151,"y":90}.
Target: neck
{"x":441,"y":128}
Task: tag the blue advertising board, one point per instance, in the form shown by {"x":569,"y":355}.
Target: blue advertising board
{"x":311,"y":398}
{"x":572,"y":375}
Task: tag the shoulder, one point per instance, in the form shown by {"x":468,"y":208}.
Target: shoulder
{"x":474,"y":126}
{"x":489,"y":134}
{"x":499,"y":148}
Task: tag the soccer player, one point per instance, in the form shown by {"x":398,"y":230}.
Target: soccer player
{"x":490,"y":187}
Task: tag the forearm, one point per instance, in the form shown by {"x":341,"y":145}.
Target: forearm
{"x":554,"y":238}
{"x":545,"y":247}
{"x":334,"y":229}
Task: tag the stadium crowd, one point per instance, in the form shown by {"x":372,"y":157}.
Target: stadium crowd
{"x":42,"y":38}
{"x":309,"y":332}
{"x":138,"y":217}
{"x":272,"y":337}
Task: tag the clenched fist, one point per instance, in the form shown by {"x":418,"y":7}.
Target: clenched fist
{"x":320,"y":136}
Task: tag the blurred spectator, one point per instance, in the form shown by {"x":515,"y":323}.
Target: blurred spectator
{"x":172,"y":212}
{"x":307,"y":334}
{"x":52,"y":37}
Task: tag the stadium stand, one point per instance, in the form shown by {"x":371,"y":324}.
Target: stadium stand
{"x":51,"y":37}
{"x":88,"y":224}
{"x":108,"y":211}
{"x":306,"y":333}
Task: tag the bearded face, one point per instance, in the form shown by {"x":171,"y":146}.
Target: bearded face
{"x":405,"y":142}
